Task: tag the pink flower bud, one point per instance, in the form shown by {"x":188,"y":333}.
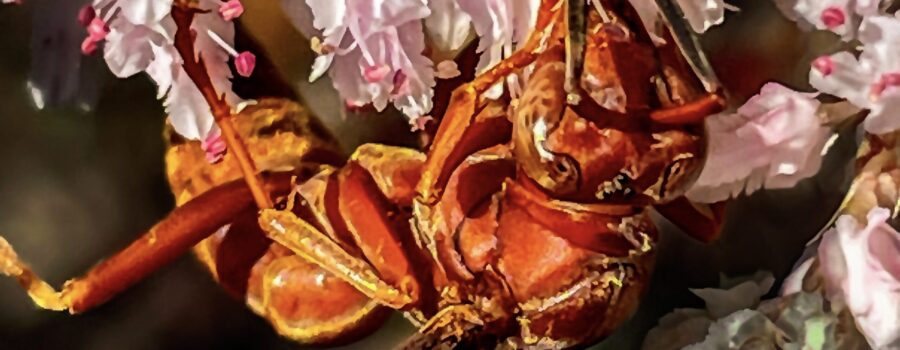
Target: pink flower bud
{"x":244,"y":63}
{"x":824,"y":65}
{"x":231,"y":9}
{"x":446,"y":69}
{"x":833,"y":17}
{"x":88,"y":46}
{"x":214,"y":146}
{"x":86,"y":15}
{"x":97,"y":29}
{"x":375,"y":74}
{"x":417,"y":124}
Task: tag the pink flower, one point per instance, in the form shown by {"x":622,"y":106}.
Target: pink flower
{"x":834,"y":15}
{"x":870,"y":81}
{"x":372,"y":50}
{"x":231,"y":9}
{"x":839,"y":16}
{"x":862,"y":271}
{"x":140,"y":39}
{"x":773,"y":141}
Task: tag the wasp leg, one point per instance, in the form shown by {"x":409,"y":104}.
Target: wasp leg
{"x":308,"y":242}
{"x":691,"y":112}
{"x":701,"y":221}
{"x":467,"y":126}
{"x":446,"y":329}
{"x":364,"y":210}
{"x":167,"y":240}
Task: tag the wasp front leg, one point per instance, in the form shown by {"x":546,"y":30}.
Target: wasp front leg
{"x":471,"y":122}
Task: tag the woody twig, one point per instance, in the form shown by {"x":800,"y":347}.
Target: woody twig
{"x":183,"y":13}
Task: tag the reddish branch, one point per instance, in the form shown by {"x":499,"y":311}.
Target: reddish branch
{"x":183,"y":228}
{"x":194,"y":66}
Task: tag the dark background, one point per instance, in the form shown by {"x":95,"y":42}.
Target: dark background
{"x":76,"y":185}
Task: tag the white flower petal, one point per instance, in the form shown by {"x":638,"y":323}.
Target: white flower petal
{"x":188,"y":111}
{"x":161,"y":69}
{"x":328,"y":15}
{"x":703,"y":14}
{"x":145,"y":12}
{"x":448,"y":26}
{"x":774,"y":141}
{"x":128,"y":47}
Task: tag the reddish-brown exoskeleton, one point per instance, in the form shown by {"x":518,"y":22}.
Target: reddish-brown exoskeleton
{"x":525,"y":224}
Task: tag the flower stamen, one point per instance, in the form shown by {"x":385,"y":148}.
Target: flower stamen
{"x":833,"y":17}
{"x":244,"y":62}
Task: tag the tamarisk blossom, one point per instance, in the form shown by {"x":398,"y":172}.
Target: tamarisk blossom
{"x":773,"y":141}
{"x":501,"y":25}
{"x":870,"y":81}
{"x":373,"y":51}
{"x":861,"y":271}
{"x":842,"y":17}
{"x":140,"y":38}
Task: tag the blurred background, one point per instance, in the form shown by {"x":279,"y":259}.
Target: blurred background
{"x":79,"y":181}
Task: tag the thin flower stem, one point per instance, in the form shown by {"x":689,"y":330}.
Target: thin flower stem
{"x":183,"y":14}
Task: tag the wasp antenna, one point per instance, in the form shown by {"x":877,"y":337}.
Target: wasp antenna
{"x":39,"y":290}
{"x":689,"y":44}
{"x":575,"y":38}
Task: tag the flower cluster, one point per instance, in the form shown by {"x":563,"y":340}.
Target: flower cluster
{"x":374,"y":51}
{"x":736,"y":318}
{"x":869,"y":81}
{"x":868,"y":78}
{"x":861,"y":271}
{"x":839,"y":16}
{"x":138,"y":36}
{"x":782,"y":137}
{"x":773,"y":141}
